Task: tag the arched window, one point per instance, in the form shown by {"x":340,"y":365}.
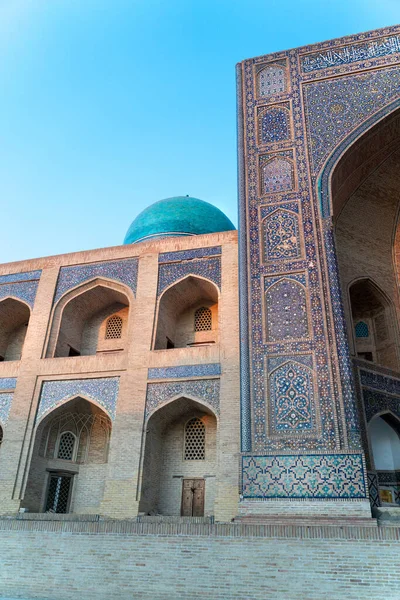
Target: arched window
{"x":195,"y":440}
{"x":66,"y":446}
{"x":203,"y":319}
{"x":114,"y":328}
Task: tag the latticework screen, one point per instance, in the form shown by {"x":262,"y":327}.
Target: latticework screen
{"x":114,"y":328}
{"x":195,"y":440}
{"x":66,"y":446}
{"x":202,"y":319}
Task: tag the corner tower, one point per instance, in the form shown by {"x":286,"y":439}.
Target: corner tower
{"x":299,"y":112}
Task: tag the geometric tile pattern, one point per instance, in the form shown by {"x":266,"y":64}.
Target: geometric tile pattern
{"x":124,"y":271}
{"x":103,"y":390}
{"x":166,"y":257}
{"x":18,"y":277}
{"x":274,"y":125}
{"x":5,"y":405}
{"x":206,"y":390}
{"x":351,"y":53}
{"x":185,"y":371}
{"x":377,"y":402}
{"x":271,"y":81}
{"x":373,"y":489}
{"x":281,"y":235}
{"x":24,"y":290}
{"x":335,"y":107}
{"x":277,"y":175}
{"x":8,"y":383}
{"x":286,"y":309}
{"x":317,"y":476}
{"x":291,"y":387}
{"x":209,"y":268}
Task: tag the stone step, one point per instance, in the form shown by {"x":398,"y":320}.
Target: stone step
{"x":28,"y":516}
{"x":297,"y":520}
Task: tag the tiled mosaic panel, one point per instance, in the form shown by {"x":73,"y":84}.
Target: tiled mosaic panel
{"x":5,"y":405}
{"x":329,"y":476}
{"x":286,"y":310}
{"x":209,"y":268}
{"x":124,"y":271}
{"x":277,"y":175}
{"x":281,"y":236}
{"x":185,"y":371}
{"x":335,"y":107}
{"x":384,"y":383}
{"x":347,"y":54}
{"x":20,"y":277}
{"x":23,"y":290}
{"x":103,"y":390}
{"x":373,"y":489}
{"x":274,"y":125}
{"x":8,"y":383}
{"x":166,"y":257}
{"x":377,"y":402}
{"x":271,"y":81}
{"x":206,"y":390}
{"x":291,"y":388}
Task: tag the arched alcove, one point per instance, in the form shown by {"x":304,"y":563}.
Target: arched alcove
{"x":14,"y":319}
{"x":69,"y":459}
{"x":178,"y":322}
{"x":364,"y":204}
{"x":180,"y":457}
{"x":384,"y":440}
{"x":81,"y":321}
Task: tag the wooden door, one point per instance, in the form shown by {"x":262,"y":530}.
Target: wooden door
{"x":193,"y":498}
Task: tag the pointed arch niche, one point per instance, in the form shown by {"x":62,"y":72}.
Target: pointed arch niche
{"x":90,"y":319}
{"x":384,"y":440}
{"x":69,"y":459}
{"x":364,"y":205}
{"x":187,"y":314}
{"x":180,"y":460}
{"x":14,"y":320}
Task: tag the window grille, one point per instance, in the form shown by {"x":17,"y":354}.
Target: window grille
{"x":114,"y":328}
{"x":66,"y":446}
{"x":195,"y":440}
{"x":58,"y":493}
{"x":362,"y":330}
{"x":202,"y":319}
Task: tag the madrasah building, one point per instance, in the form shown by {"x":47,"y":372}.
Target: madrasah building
{"x":198,"y":371}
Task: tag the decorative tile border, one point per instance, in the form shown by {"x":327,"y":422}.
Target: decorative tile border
{"x":20,"y":285}
{"x":373,"y":489}
{"x":125,"y":271}
{"x":209,"y":268}
{"x":5,"y":405}
{"x":206,"y":390}
{"x":103,"y":390}
{"x":168,"y":257}
{"x":316,"y":476}
{"x":207,"y":370}
{"x":8,"y":383}
{"x":377,"y":381}
{"x":377,"y":402}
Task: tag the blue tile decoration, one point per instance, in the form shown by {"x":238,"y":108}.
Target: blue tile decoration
{"x":281,"y":235}
{"x":20,"y":277}
{"x":361,"y":329}
{"x":125,"y":271}
{"x":377,"y":402}
{"x":277,"y":175}
{"x":209,"y":268}
{"x":5,"y":405}
{"x":22,"y":286}
{"x":206,"y":390}
{"x":333,"y":108}
{"x":274,"y":362}
{"x":207,"y":370}
{"x":168,"y":257}
{"x":293,"y":410}
{"x":274,"y":125}
{"x":377,"y":381}
{"x":8,"y":383}
{"x":286,"y":308}
{"x":272,"y":80}
{"x":389,"y":477}
{"x":104,"y":390}
{"x":317,"y":476}
{"x":347,"y":54}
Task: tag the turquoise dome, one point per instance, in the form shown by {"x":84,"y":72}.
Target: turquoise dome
{"x":181,"y":215}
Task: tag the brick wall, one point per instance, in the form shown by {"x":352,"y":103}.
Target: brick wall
{"x":97,"y":561}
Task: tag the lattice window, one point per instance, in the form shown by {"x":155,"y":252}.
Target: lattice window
{"x":203,"y":319}
{"x":58,"y":493}
{"x":362,"y":330}
{"x":66,"y":446}
{"x":195,"y":440}
{"x":114,"y":328}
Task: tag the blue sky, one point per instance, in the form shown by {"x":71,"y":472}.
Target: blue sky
{"x":109,"y":105}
